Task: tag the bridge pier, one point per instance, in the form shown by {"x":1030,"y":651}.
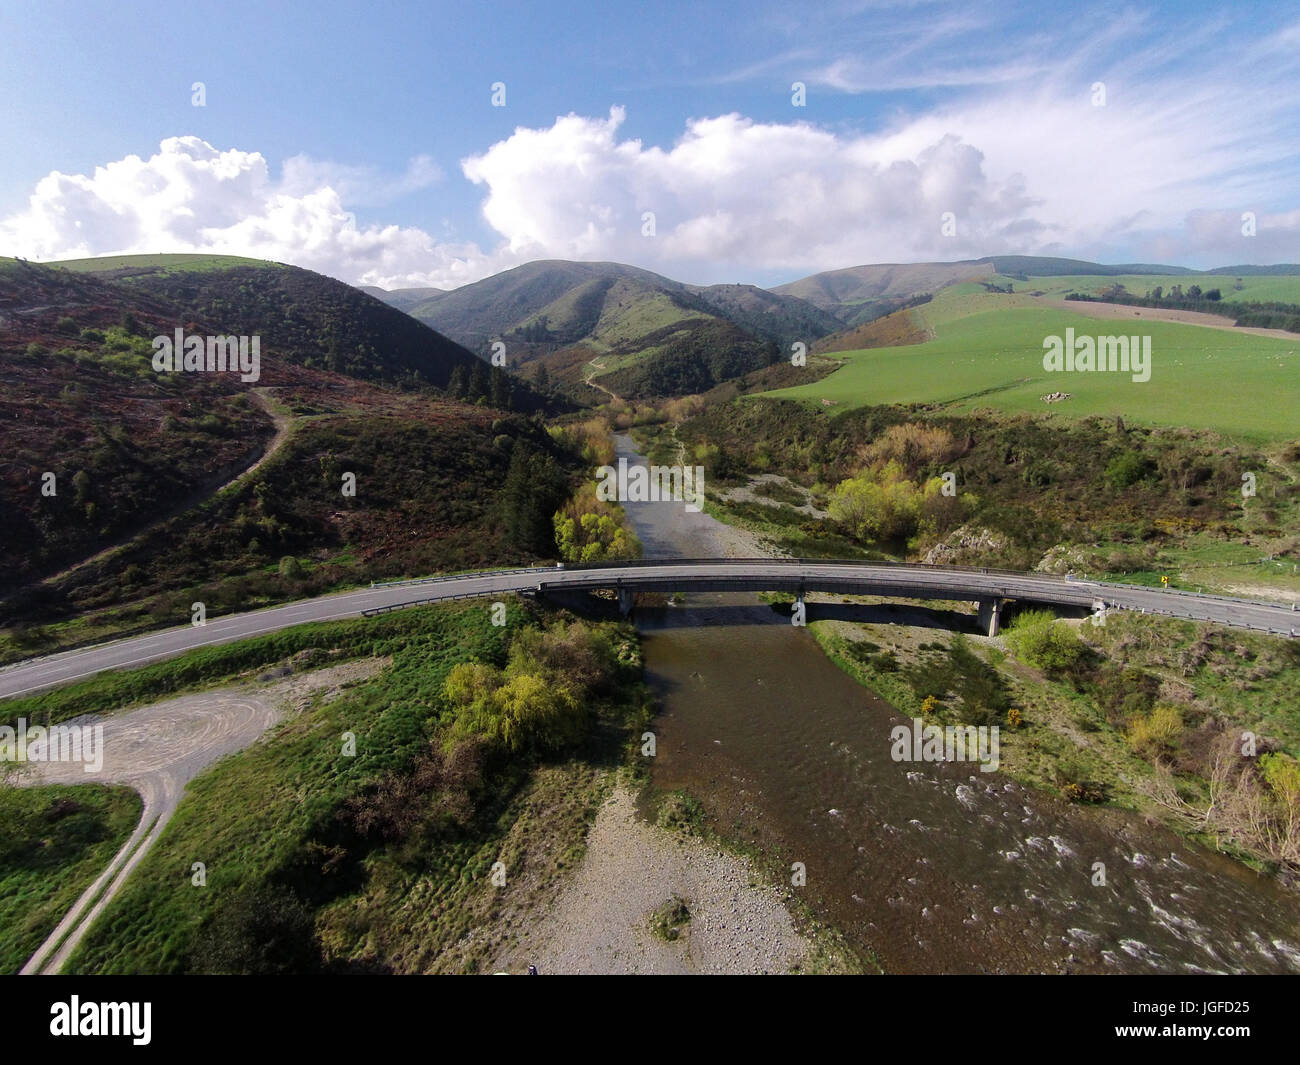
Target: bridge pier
{"x":990,"y":616}
{"x":626,"y":601}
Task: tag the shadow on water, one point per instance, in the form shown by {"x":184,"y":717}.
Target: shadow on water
{"x":933,"y":867}
{"x":864,"y":614}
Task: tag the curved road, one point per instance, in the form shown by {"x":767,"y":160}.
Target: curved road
{"x":730,"y":574}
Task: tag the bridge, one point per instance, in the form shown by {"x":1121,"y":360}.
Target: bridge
{"x":991,"y":589}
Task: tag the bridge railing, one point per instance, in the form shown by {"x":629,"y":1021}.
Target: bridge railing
{"x":472,"y":575}
{"x":633,"y":564}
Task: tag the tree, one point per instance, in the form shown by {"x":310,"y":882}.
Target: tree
{"x":1127,"y":468}
{"x":877,"y":505}
{"x":478,"y":380}
{"x":458,"y":383}
{"x":535,"y":487}
{"x":499,"y":388}
{"x":588,"y":529}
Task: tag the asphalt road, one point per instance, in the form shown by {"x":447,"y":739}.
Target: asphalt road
{"x":906,"y":581}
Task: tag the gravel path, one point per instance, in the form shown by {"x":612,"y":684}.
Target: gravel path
{"x":157,"y":750}
{"x":601,"y":921}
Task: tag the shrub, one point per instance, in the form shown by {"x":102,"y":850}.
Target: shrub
{"x":291,"y":569}
{"x":1127,"y":469}
{"x":1156,"y":732}
{"x":1035,"y":637}
{"x":263,"y":930}
{"x":523,"y":712}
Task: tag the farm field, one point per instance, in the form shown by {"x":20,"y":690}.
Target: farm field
{"x":1258,"y":289}
{"x":987,"y":354}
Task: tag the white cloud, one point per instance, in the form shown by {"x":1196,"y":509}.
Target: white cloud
{"x":190,"y":196}
{"x":1161,"y":173}
{"x":742,"y":194}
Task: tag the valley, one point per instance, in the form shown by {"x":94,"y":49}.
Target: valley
{"x":380,"y":444}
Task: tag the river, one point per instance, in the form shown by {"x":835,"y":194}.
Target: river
{"x":927,"y":867}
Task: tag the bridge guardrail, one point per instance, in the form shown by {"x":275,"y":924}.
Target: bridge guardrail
{"x":475,"y":575}
{"x":390,"y":607}
{"x":633,"y":564}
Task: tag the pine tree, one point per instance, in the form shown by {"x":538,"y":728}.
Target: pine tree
{"x":458,"y":383}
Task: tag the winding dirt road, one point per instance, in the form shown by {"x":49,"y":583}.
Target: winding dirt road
{"x":158,"y":750}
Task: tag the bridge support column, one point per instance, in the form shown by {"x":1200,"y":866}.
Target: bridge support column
{"x":990,"y":616}
{"x":626,"y":601}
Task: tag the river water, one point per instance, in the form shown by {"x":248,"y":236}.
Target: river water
{"x":928,"y":867}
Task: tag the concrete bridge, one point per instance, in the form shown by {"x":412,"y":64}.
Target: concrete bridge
{"x":991,"y":589}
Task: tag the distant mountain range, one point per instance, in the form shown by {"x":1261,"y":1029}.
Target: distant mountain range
{"x":633,"y":331}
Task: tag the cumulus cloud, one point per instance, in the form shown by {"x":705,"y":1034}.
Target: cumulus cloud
{"x":1160,"y":174}
{"x":733,"y":191}
{"x":192,"y":197}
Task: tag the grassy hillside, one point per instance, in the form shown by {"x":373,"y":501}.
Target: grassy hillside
{"x":171,"y":263}
{"x":845,"y":292}
{"x":1243,"y":385}
{"x":859,"y":293}
{"x":680,"y":361}
{"x":401,"y":298}
{"x":782,"y":318}
{"x":476,"y":314}
{"x":1254,"y":288}
{"x":901,"y":327}
{"x":54,"y":842}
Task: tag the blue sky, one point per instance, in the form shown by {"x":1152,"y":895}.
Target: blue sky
{"x":360,"y":140}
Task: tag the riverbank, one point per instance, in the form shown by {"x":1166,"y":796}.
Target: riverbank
{"x":927,"y":867}
{"x":647,"y":899}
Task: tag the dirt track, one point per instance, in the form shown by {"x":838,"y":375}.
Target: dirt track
{"x":1159,"y":314}
{"x":158,"y":750}
{"x":283,"y":427}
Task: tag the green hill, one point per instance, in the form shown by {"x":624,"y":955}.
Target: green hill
{"x":401,"y":298}
{"x":119,"y":265}
{"x":301,"y":316}
{"x":602,"y":319}
{"x":858,"y":294}
{"x":986,"y":357}
{"x":102,"y":452}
